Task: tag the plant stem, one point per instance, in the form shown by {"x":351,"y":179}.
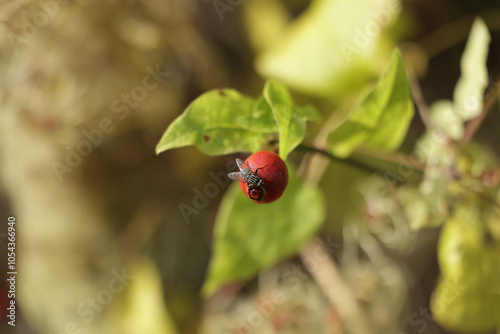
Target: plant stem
{"x":418,"y":98}
{"x":329,"y":277}
{"x":474,"y":124}
{"x":362,"y":165}
{"x":456,"y":31}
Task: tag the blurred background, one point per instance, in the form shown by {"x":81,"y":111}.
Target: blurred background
{"x":87,"y":89}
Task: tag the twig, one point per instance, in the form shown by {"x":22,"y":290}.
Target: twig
{"x":347,"y":160}
{"x":474,"y":124}
{"x":364,"y":166}
{"x":456,"y":31}
{"x":418,"y":98}
{"x":329,"y":278}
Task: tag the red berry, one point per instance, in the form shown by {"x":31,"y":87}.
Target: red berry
{"x":263,"y":176}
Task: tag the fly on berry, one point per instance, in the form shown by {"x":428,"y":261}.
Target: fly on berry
{"x":263,"y":176}
{"x":256,"y":187}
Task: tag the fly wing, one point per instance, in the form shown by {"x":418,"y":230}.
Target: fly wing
{"x":243,"y":174}
{"x":241,"y":164}
{"x":244,"y":168}
{"x":235,"y":176}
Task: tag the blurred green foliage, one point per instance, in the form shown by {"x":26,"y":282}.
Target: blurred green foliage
{"x":248,"y":238}
{"x":333,"y":48}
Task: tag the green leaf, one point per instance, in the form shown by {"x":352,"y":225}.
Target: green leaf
{"x":140,"y":307}
{"x":220,"y":122}
{"x":291,"y":120}
{"x":333,"y":48}
{"x":466,"y":253}
{"x":266,"y":21}
{"x":382,"y":119}
{"x":468,"y":95}
{"x":250,"y":236}
{"x":463,"y":308}
{"x":468,"y":298}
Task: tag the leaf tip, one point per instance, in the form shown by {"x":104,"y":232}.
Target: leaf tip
{"x":160,"y":147}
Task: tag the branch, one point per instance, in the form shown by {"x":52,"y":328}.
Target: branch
{"x":330,"y":279}
{"x":456,"y":31}
{"x":353,"y":161}
{"x":472,"y":127}
{"x":418,"y":99}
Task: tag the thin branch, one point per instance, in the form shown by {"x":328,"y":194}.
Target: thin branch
{"x":357,"y":164}
{"x":329,"y":277}
{"x":472,"y":127}
{"x":456,"y":31}
{"x":418,"y":98}
{"x":364,"y":166}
